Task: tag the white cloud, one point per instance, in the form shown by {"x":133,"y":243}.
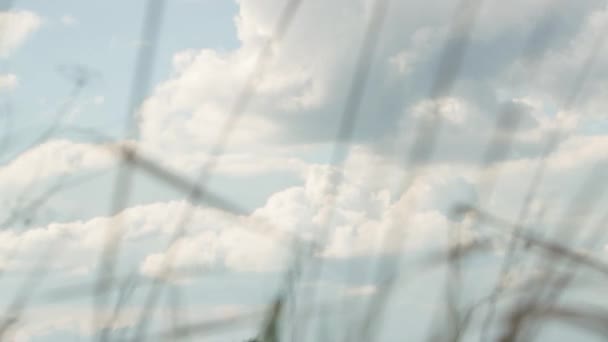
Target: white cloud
{"x":184,"y":116}
{"x":45,"y":169}
{"x":8,"y":82}
{"x":239,"y":243}
{"x":213,"y":241}
{"x":53,"y":159}
{"x":16,"y":27}
{"x":299,"y":96}
{"x":364,"y":211}
{"x":293,"y":115}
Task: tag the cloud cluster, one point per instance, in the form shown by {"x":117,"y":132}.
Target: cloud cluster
{"x":217,"y":240}
{"x":300,"y":96}
{"x":296,"y":106}
{"x":364,"y":207}
{"x":352,"y":222}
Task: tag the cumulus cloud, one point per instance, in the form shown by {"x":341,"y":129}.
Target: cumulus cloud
{"x":295,"y":105}
{"x":16,"y":27}
{"x":299,"y":97}
{"x":363,"y":209}
{"x":53,"y":159}
{"x":257,"y":242}
{"x":213,"y":240}
{"x":48,"y":167}
{"x":366,"y":212}
{"x":363,"y":214}
{"x":8,"y":81}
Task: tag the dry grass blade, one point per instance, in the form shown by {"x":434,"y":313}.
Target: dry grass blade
{"x":270,"y":331}
{"x":197,"y":192}
{"x":459,"y":252}
{"x":242,"y":102}
{"x":26,"y":212}
{"x":450,"y":62}
{"x":428,"y":129}
{"x":267,"y":317}
{"x":591,"y":319}
{"x":210,"y":327}
{"x":244,"y":98}
{"x":552,"y":249}
{"x":153,"y":14}
{"x":339,"y":261}
{"x":348,"y":120}
{"x":27,"y":289}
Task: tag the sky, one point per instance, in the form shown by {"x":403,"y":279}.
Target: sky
{"x":323,"y":158}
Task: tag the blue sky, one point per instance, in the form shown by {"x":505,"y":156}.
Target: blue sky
{"x":103,"y":38}
{"x":370,"y":213}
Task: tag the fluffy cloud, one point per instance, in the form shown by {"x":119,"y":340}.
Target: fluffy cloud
{"x":367,"y":208}
{"x":42,"y":170}
{"x":219,"y":240}
{"x":295,"y":105}
{"x":16,"y":27}
{"x":361,"y":210}
{"x":53,"y":159}
{"x":299,"y":97}
{"x":213,"y":240}
{"x":8,"y":82}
